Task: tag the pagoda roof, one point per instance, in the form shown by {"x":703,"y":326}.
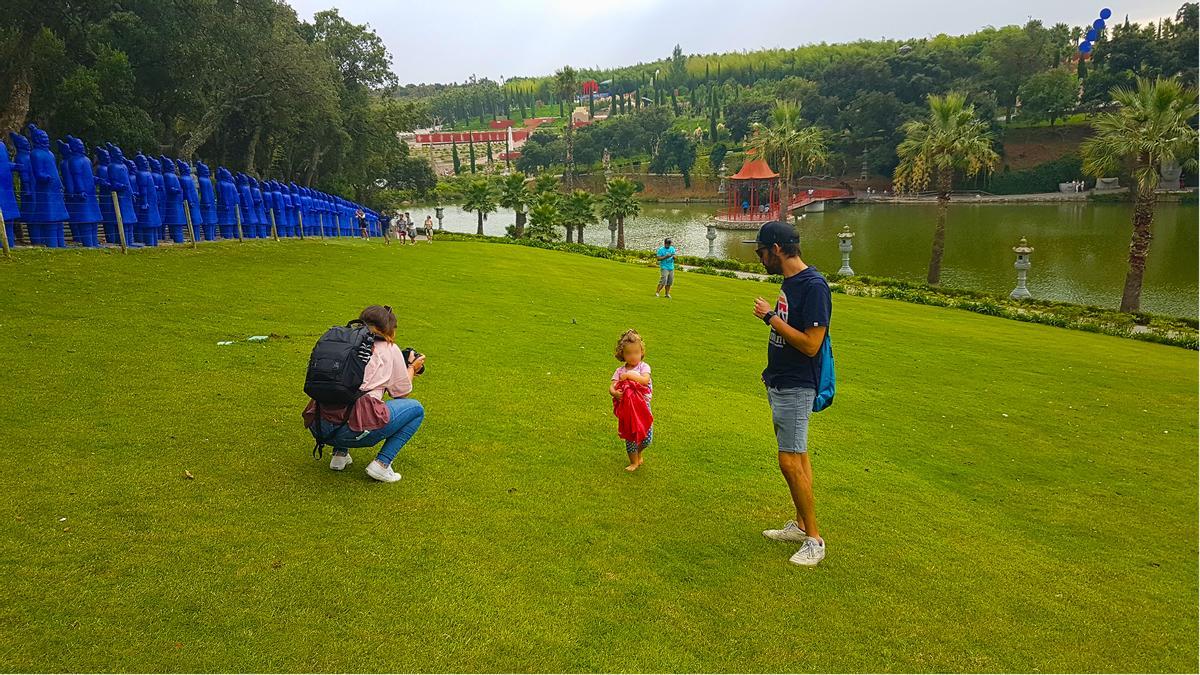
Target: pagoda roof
{"x":755,"y":169}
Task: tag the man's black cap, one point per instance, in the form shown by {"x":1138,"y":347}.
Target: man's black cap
{"x":775,"y":232}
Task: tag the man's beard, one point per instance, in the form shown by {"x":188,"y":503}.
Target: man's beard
{"x":773,"y":264}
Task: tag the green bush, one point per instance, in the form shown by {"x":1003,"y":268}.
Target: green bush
{"x":1041,"y":178}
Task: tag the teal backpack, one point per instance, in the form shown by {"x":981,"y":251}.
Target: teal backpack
{"x":825,"y":387}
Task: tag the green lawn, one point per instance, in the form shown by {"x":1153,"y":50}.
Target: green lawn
{"x":995,"y":495}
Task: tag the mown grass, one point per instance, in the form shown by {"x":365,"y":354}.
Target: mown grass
{"x":996,"y":496}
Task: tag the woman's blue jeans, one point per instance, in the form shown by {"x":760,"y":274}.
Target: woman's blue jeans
{"x":404,"y":418}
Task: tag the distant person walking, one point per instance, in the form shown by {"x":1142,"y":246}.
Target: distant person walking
{"x":361,"y":217}
{"x":799,"y":321}
{"x":412,"y":228}
{"x":429,"y":228}
{"x":666,"y":267}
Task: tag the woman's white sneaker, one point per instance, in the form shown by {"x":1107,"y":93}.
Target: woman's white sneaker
{"x":381,"y":473}
{"x":339,"y":462}
{"x":790,"y":532}
{"x":811,"y":553}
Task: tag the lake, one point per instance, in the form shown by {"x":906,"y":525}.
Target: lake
{"x":1080,"y":249}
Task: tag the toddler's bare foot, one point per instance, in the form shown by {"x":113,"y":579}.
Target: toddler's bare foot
{"x":631,"y":467}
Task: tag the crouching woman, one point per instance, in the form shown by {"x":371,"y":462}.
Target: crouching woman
{"x":371,"y":419}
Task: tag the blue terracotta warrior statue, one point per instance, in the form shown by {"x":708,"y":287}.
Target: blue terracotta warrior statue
{"x":250,"y":220}
{"x":8,"y":198}
{"x":227,"y":203}
{"x":208,"y":204}
{"x":122,"y":182}
{"x":81,"y":186}
{"x":274,"y":216}
{"x":149,"y":218}
{"x":107,"y":213}
{"x":20,"y":167}
{"x":191,"y":196}
{"x":49,"y":208}
{"x":281,"y":200}
{"x":63,"y":153}
{"x":304,"y":209}
{"x":172,"y":210}
{"x":160,"y":188}
{"x":260,"y":211}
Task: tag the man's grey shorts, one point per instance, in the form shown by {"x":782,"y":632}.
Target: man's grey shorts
{"x":666,"y":278}
{"x":790,"y":409}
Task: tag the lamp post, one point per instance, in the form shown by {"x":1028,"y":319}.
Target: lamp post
{"x":1022,"y":249}
{"x":846,"y":244}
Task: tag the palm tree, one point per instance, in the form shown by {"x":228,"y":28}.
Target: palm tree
{"x":479,"y":196}
{"x":545,"y":217}
{"x":618,"y":203}
{"x":951,"y":140}
{"x":545,"y":183}
{"x":790,"y":147}
{"x":565,"y":85}
{"x":579,"y":210}
{"x":1151,"y":127}
{"x":513,"y":195}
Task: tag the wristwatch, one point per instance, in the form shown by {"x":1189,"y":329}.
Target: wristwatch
{"x":768,"y":316}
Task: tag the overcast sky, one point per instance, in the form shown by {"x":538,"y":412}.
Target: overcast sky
{"x":449,"y":40}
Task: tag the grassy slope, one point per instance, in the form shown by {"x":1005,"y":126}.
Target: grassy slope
{"x":1061,"y":537}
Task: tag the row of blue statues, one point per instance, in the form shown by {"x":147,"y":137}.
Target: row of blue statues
{"x":152,"y":195}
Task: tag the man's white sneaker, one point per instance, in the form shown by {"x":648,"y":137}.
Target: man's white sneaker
{"x":790,"y":532}
{"x":811,"y":553}
{"x":383,"y":474}
{"x":339,"y":462}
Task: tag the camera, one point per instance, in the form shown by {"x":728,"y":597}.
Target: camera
{"x":411,"y":355}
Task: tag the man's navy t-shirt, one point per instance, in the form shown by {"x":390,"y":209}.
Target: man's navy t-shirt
{"x":804,"y":302}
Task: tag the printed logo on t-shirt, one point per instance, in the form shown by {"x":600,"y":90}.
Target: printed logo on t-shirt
{"x":781,"y":307}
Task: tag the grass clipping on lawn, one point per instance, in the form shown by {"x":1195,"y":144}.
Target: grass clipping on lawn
{"x":996,"y":495}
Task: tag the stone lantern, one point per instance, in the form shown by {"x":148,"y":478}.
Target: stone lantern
{"x":712,"y":238}
{"x":846,"y":244}
{"x":440,"y":214}
{"x":1022,"y":249}
{"x":612,"y":230}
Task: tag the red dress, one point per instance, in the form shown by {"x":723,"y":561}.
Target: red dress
{"x":632,"y":412}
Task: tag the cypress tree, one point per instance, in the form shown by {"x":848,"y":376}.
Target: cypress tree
{"x":454,"y":158}
{"x":471,"y":150}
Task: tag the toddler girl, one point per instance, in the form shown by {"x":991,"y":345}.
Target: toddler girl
{"x":630,"y":351}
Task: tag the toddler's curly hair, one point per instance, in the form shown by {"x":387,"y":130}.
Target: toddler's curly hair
{"x":629,"y":337}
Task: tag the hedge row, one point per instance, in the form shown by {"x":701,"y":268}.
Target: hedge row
{"x":1179,"y":332}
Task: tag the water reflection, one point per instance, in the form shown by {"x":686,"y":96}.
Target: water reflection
{"x":1080,"y":249}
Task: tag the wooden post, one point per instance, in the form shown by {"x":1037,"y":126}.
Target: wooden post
{"x":4,"y":234}
{"x":274,"y":232}
{"x":187,"y":214}
{"x":237,"y":211}
{"x":120,"y":223}
{"x":300,"y":217}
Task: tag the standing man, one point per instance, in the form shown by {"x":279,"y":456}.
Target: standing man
{"x":666,"y":267}
{"x":798,"y":322}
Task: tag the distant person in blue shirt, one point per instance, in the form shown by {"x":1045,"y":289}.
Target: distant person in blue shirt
{"x":666,"y":267}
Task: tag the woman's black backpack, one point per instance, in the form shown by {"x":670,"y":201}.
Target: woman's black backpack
{"x":335,"y":372}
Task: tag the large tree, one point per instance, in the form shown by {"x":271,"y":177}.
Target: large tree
{"x":1152,"y":126}
{"x":514,"y":195}
{"x":1050,"y":94}
{"x":951,"y":139}
{"x":578,"y":211}
{"x":479,"y":196}
{"x":790,"y":147}
{"x":619,"y":203}
{"x":566,"y":82}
